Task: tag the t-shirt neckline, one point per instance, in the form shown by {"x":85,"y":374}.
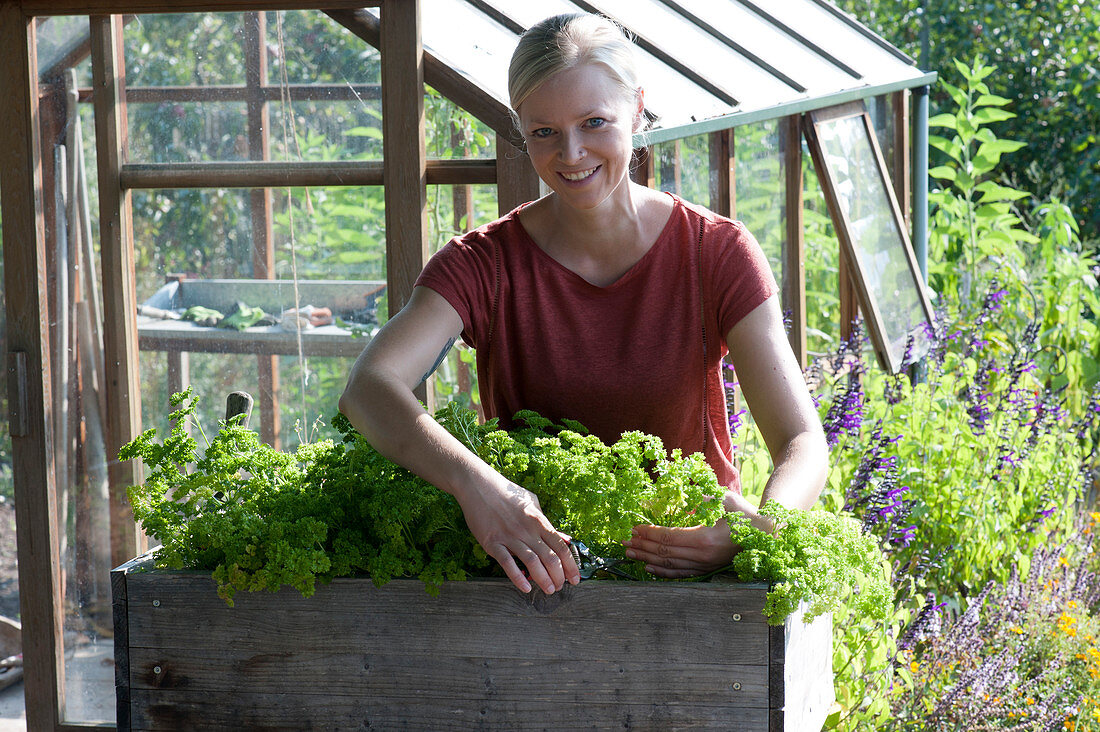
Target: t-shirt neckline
{"x":528,"y":240}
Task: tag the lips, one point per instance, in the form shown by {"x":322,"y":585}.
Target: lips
{"x":579,"y":175}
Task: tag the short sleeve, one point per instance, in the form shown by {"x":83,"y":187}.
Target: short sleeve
{"x":742,"y":279}
{"x":461,"y":272}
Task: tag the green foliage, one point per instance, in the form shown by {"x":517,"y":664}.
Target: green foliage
{"x":260,"y":518}
{"x":820,"y":558}
{"x":977,"y":231}
{"x":1046,"y":55}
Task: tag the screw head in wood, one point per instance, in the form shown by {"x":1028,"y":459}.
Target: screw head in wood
{"x":737,"y":686}
{"x":737,"y":617}
{"x":156,"y":669}
{"x":156,"y":603}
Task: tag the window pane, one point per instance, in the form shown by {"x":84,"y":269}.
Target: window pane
{"x":760,"y":188}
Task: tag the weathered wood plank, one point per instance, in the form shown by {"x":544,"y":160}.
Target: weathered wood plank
{"x":479,"y":656}
{"x":694,"y":623}
{"x":902,"y":171}
{"x":158,"y":710}
{"x":121,"y":621}
{"x":794,"y":246}
{"x":109,"y":7}
{"x":395,"y":674}
{"x":517,"y":181}
{"x":120,"y":339}
{"x":807,"y":665}
{"x":403,"y":145}
{"x":26,"y":341}
{"x":723,"y":173}
{"x":275,"y":174}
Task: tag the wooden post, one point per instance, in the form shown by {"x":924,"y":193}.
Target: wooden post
{"x":120,"y":343}
{"x":670,"y":168}
{"x":794,"y":248}
{"x":902,"y":170}
{"x":463,"y":214}
{"x":723,"y":173}
{"x":723,"y":201}
{"x":29,"y":368}
{"x":405,"y":171}
{"x":517,"y":181}
{"x":260,"y":205}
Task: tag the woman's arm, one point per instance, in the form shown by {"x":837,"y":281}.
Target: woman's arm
{"x":783,"y":410}
{"x":378,"y":400}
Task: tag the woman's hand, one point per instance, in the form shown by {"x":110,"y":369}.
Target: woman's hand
{"x":686,"y":552}
{"x":508,"y":523}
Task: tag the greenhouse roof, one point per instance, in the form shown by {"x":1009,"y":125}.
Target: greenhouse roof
{"x":705,"y":64}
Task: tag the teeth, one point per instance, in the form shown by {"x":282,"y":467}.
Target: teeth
{"x":581,"y":175}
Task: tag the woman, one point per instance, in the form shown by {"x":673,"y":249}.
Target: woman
{"x":604,"y":302}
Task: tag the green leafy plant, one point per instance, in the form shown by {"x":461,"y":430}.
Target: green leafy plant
{"x":819,"y":558}
{"x":260,"y":518}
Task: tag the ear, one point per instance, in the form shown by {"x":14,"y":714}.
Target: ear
{"x":639,"y":108}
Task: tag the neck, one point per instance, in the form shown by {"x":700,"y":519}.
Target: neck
{"x":614,"y":223}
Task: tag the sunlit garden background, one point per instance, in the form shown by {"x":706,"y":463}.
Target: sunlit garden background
{"x":977,"y":471}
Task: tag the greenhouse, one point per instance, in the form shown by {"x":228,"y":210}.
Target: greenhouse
{"x":235,"y":196}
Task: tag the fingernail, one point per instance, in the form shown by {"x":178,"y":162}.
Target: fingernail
{"x":631,"y":555}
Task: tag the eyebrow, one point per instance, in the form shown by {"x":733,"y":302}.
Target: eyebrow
{"x":604,"y":113}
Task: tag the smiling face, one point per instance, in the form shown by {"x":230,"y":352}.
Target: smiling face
{"x":578,"y":126}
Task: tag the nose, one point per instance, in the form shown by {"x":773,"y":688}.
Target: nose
{"x":572,"y":148}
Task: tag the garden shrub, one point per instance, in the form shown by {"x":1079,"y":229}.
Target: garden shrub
{"x":970,"y":473}
{"x":1046,"y":55}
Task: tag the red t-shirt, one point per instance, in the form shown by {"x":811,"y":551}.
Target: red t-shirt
{"x":643,"y":353}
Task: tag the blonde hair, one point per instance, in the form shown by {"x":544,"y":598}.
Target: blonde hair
{"x":563,"y":42}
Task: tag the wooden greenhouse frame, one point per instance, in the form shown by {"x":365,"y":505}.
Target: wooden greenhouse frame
{"x":26,"y":172}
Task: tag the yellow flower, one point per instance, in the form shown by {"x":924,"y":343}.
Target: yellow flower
{"x":1095,"y":516}
{"x":1016,"y":629}
{"x":914,"y":666}
{"x":1072,"y":603}
{"x":1029,"y":701}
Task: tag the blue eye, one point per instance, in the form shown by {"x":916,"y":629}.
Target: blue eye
{"x":542,"y":132}
{"x":595,"y":122}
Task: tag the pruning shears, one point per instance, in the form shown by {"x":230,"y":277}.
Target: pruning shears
{"x":589,"y":564}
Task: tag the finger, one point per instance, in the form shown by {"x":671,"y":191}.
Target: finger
{"x":649,"y":550}
{"x":536,"y":570}
{"x":548,"y":550}
{"x":508,"y":563}
{"x":680,"y":536}
{"x":559,"y":544}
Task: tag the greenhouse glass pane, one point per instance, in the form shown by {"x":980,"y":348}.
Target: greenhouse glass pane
{"x":195,"y":49}
{"x":771,"y":44}
{"x":732,"y":72}
{"x":57,"y":38}
{"x":673,"y":98}
{"x":761,"y":188}
{"x":481,"y":51}
{"x":189,"y":88}
{"x":864,"y":199}
{"x":837,"y":37}
{"x":312,"y":48}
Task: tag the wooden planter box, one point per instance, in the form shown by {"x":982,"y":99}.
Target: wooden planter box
{"x":601,"y":655}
